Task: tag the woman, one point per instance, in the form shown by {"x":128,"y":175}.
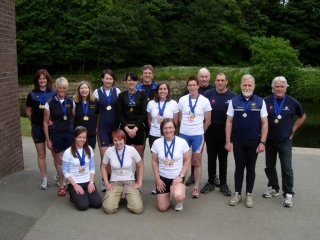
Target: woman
{"x":122,"y":183}
{"x":161,"y":107}
{"x":132,"y":105}
{"x":108,"y":120}
{"x":195,"y":118}
{"x":85,"y":111}
{"x":36,"y":100}
{"x":58,"y":110}
{"x":78,"y":168}
{"x":170,"y":162}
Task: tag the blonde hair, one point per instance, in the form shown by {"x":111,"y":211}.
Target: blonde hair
{"x":62,"y":81}
{"x":78,"y":98}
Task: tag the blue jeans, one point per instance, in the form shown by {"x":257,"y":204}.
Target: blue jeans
{"x":284,"y":149}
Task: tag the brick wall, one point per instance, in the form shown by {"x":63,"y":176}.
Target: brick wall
{"x":11,"y":158}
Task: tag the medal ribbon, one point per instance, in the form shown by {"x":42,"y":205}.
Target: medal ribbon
{"x":121,"y":159}
{"x":161,"y":110}
{"x":246,"y":104}
{"x":63,"y":106}
{"x":277,"y":108}
{"x":131,"y":99}
{"x":108,"y":98}
{"x":167,"y":148}
{"x":195,"y":104}
{"x":43,"y":97}
{"x":81,"y":158}
{"x":85,"y":108}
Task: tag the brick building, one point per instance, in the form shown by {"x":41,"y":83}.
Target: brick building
{"x":11,"y":157}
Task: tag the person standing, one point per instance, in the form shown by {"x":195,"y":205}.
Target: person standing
{"x":281,"y":109}
{"x":248,"y":123}
{"x":203,"y":77}
{"x":195,"y":118}
{"x":36,"y":100}
{"x":215,"y":136}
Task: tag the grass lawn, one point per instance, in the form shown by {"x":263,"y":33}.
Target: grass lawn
{"x":25,"y":127}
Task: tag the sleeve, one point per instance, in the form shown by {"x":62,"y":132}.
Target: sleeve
{"x":230,"y":111}
{"x":143,"y":116}
{"x":91,"y":162}
{"x":175,"y":107}
{"x":207,"y":105}
{"x":149,"y":106}
{"x":118,"y":91}
{"x":135,"y":155}
{"x":95,"y":94}
{"x":65,"y":164}
{"x":29,"y":101}
{"x":46,"y":106}
{"x":180,"y":105}
{"x":299,"y":109}
{"x":154,"y":147}
{"x":120,"y":106}
{"x":185,"y":146}
{"x":263,"y":112}
{"x":106,"y":158}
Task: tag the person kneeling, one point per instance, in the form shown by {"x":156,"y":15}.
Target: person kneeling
{"x":122,"y":182}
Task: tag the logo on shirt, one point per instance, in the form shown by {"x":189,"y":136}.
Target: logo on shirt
{"x":213,"y":101}
{"x":253,"y":105}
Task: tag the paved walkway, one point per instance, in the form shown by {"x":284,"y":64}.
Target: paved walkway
{"x":28,"y":213}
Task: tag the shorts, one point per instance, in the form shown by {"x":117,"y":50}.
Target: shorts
{"x":61,"y":141}
{"x":196,"y":142}
{"x":92,"y":141}
{"x":104,"y":137}
{"x":139,"y":139}
{"x":168,"y":182}
{"x":37,"y":133}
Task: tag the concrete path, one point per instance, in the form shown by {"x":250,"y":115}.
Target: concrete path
{"x":28,"y":213}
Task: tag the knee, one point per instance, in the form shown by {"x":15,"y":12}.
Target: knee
{"x":179,"y":197}
{"x":109,"y":210}
{"x":137,"y":209}
{"x":162,"y":208}
{"x":82,"y":206}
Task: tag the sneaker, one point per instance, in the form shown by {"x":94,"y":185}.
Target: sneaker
{"x":44,"y":184}
{"x":270,"y":192}
{"x":178,"y":207}
{"x":249,"y":201}
{"x":225,"y":190}
{"x":103,"y":187}
{"x":235,"y":199}
{"x":216,"y":181}
{"x":207,"y":188}
{"x":288,"y":201}
{"x":154,"y":191}
{"x":190,"y":180}
{"x":195,"y":192}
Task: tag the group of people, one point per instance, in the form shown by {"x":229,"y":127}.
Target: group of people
{"x":177,"y":132}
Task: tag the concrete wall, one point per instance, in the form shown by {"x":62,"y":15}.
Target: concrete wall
{"x":11,"y":158}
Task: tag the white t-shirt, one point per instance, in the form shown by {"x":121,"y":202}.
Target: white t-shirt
{"x":194,"y":126}
{"x":153,"y":108}
{"x":263,"y":112}
{"x":70,"y":166}
{"x":180,"y":148}
{"x":126,"y":172}
{"x":96,"y":95}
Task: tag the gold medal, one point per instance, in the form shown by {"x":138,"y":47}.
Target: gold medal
{"x":108,"y":108}
{"x":171,"y":162}
{"x":192,"y":116}
{"x":131,"y":109}
{"x":276,"y":121}
{"x":41,"y":106}
{"x":65,"y":117}
{"x":85,"y":118}
{"x":166,"y":161}
{"x":82,"y":169}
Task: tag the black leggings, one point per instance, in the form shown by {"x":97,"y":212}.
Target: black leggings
{"x":86,"y":200}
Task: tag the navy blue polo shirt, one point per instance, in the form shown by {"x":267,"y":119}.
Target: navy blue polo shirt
{"x":282,"y":130}
{"x":219,"y":104}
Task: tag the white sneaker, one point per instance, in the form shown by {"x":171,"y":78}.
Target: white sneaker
{"x":154,"y":191}
{"x":249,"y":201}
{"x":270,"y":192}
{"x":288,"y":201}
{"x":178,"y":207}
{"x":235,"y":199}
{"x":44,"y":184}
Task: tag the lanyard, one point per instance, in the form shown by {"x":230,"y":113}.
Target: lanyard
{"x":169,"y":149}
{"x":63,"y":106}
{"x":131,"y":99}
{"x":161,"y":110}
{"x":121,"y":159}
{"x":108,"y":98}
{"x":246,"y":104}
{"x":43,"y":97}
{"x":195,"y":104}
{"x":277,"y":107}
{"x":81,"y":158}
{"x":85,"y":108}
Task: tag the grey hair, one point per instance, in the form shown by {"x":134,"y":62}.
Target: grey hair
{"x":281,"y":79}
{"x":246,"y":77}
{"x":62,"y":81}
{"x":204,"y":69}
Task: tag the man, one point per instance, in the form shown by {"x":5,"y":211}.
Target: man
{"x":281,"y":111}
{"x":148,"y":86}
{"x":215,"y":135}
{"x":247,"y":120}
{"x":204,"y":85}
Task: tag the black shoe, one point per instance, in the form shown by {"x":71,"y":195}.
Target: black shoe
{"x":207,"y":188}
{"x":190,"y":180}
{"x":216,"y":181}
{"x":225,"y":190}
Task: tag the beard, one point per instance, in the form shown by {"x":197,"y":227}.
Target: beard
{"x":247,"y":93}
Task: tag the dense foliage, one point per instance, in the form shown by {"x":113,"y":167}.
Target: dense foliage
{"x":77,"y":35}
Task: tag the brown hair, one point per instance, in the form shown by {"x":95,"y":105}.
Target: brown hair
{"x":78,"y":98}
{"x":156,"y":95}
{"x":164,"y":122}
{"x":37,"y":76}
{"x":77,"y":131}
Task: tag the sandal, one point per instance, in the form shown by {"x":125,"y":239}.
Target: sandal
{"x":62,"y":192}
{"x":195,"y":192}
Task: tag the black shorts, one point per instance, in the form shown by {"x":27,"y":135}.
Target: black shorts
{"x":168,"y":183}
{"x":60,"y":141}
{"x":37,"y":133}
{"x":139,"y":139}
